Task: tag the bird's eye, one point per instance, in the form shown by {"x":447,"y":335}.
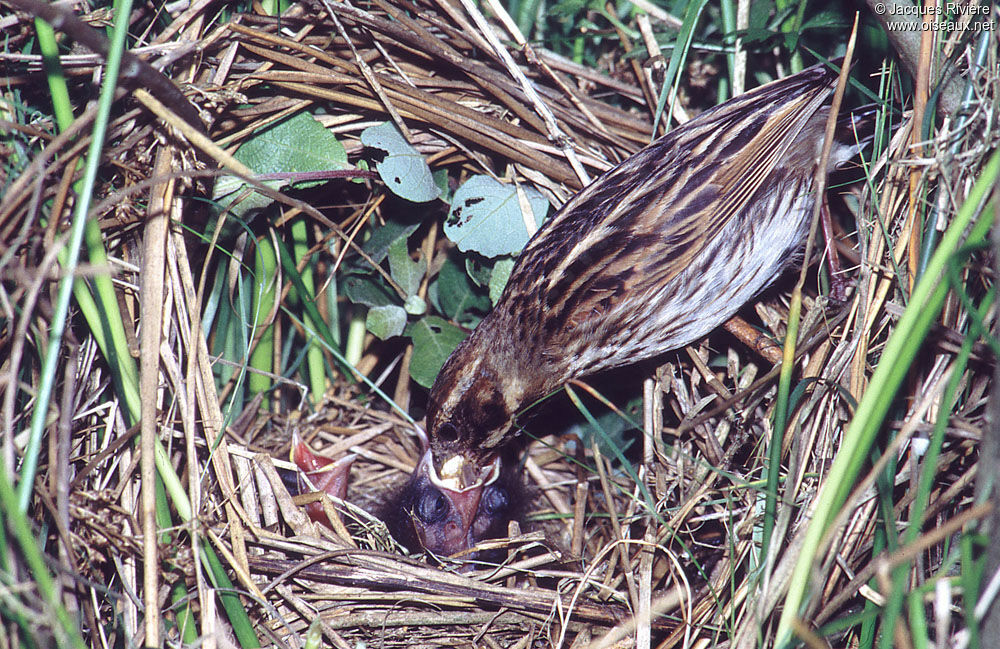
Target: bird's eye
{"x":432,"y":506}
{"x":495,"y":500}
{"x":447,"y":432}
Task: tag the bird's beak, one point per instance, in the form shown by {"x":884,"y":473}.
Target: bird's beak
{"x":319,"y":473}
{"x":458,"y":475}
{"x":463,"y":489}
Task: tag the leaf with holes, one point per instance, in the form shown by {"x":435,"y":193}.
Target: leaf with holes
{"x":486,"y":217}
{"x":399,"y":165}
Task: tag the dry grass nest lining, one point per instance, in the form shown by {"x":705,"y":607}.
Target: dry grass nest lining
{"x":362,"y":590}
{"x":463,"y":107}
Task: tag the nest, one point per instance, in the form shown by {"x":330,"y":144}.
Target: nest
{"x":659,"y":544}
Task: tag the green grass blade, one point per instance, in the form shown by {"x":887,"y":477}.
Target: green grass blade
{"x":61,"y":105}
{"x":900,"y":350}
{"x":315,"y":368}
{"x":265,"y":296}
{"x":682,"y":45}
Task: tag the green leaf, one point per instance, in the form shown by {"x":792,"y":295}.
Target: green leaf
{"x":479,"y":271}
{"x":402,"y":169}
{"x":230,"y":188}
{"x":384,"y":237}
{"x":386,"y":321}
{"x":498,"y":278}
{"x":567,"y":8}
{"x":415,"y":305}
{"x":433,"y":341}
{"x":368,"y":290}
{"x":407,"y":272}
{"x":457,"y":296}
{"x":486,"y":217}
{"x":441,"y":180}
{"x":824,"y":20}
{"x":299,"y":143}
{"x":760,"y":13}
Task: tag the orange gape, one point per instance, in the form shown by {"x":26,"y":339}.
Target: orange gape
{"x":320,"y":473}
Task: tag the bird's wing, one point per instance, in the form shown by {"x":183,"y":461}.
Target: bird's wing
{"x":645,"y":221}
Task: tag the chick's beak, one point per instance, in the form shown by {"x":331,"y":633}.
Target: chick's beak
{"x":443,"y":516}
{"x":319,"y":473}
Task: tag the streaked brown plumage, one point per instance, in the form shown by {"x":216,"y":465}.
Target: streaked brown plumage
{"x":651,"y":256}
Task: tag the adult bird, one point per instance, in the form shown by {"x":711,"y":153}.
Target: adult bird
{"x":651,"y":256}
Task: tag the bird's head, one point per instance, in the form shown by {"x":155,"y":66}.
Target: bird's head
{"x":444,"y":518}
{"x":461,"y":490}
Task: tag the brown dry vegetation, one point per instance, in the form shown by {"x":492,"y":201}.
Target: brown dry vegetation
{"x":593,"y":563}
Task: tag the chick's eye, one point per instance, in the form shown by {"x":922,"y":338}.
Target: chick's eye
{"x":432,"y":506}
{"x":495,"y":500}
